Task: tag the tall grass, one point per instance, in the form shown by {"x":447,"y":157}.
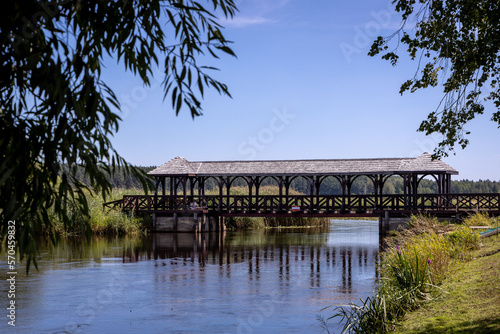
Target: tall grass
{"x":270,"y":222}
{"x":411,"y":271}
{"x":479,"y":219}
{"x":241,"y":223}
{"x":101,"y":222}
{"x":371,"y":313}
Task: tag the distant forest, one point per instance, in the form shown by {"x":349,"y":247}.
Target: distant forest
{"x":362,"y":185}
{"x":120,"y":179}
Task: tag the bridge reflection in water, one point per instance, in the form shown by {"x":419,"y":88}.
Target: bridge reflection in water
{"x":341,"y":258}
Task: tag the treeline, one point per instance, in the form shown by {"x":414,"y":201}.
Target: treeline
{"x":120,"y":179}
{"x":393,"y":185}
{"x":466,"y":186}
{"x":330,"y":186}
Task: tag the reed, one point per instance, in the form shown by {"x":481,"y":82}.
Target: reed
{"x":369,"y":316}
{"x":237,"y":223}
{"x":100,"y":222}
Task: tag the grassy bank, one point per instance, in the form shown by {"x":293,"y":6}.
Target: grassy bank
{"x":471,"y":301}
{"x":415,"y":271}
{"x":101,"y":222}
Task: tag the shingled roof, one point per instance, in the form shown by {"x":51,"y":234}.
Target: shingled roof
{"x":421,"y":165}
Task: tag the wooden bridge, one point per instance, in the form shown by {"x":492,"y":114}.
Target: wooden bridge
{"x":179,"y":183}
{"x":313,"y":206}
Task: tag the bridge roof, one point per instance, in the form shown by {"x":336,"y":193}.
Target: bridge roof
{"x":419,"y":165}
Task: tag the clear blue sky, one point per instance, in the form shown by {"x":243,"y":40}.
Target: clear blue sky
{"x":303,"y":87}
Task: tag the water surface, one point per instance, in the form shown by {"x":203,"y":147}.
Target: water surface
{"x":271,"y":281}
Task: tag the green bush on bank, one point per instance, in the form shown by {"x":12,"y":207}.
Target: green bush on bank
{"x":411,"y":270}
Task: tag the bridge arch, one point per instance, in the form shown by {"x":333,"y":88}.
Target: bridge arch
{"x":238,"y":181}
{"x":329,"y":185}
{"x":269,"y":180}
{"x":364,"y":184}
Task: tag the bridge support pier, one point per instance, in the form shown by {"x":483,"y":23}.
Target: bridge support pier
{"x":197,"y":222}
{"x":388,"y":223}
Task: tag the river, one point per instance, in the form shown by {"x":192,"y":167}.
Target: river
{"x":267,"y":281}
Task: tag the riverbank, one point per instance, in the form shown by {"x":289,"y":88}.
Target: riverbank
{"x":427,"y":265}
{"x":471,"y":298}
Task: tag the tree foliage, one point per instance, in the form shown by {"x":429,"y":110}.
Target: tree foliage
{"x":56,"y":111}
{"x":456,"y":44}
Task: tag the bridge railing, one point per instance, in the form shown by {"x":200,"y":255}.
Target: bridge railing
{"x":311,"y":204}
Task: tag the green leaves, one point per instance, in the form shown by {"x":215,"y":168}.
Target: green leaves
{"x":55,"y":111}
{"x":191,"y":23}
{"x":463,"y":40}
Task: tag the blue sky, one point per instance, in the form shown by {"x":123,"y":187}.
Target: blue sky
{"x":303,"y":87}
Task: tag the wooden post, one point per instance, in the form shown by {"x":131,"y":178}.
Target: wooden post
{"x":280,"y":203}
{"x":311,"y":193}
{"x":250,"y":189}
{"x":221,"y":185}
{"x":257,"y":186}
{"x":405,"y":188}
{"x":317,"y":185}
{"x":184,"y":192}
{"x":201,"y":189}
{"x":189,"y":181}
{"x":172,"y":193}
{"x":228,"y":192}
{"x":287,"y":190}
{"x":379,"y":191}
{"x":349,"y":186}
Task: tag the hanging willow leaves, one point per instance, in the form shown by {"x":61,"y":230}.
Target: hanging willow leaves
{"x":57,"y":114}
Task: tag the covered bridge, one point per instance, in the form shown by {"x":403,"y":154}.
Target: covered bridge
{"x":186,"y":188}
{"x":180,"y":177}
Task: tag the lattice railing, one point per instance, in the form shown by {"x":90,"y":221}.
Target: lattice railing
{"x":311,"y":204}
